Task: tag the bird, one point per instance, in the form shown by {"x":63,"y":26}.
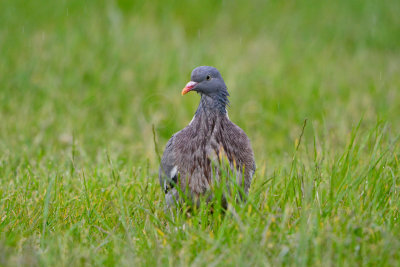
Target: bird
{"x":193,"y":155}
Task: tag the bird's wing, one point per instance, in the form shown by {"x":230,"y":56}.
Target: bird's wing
{"x":168,"y":172}
{"x":241,"y":150}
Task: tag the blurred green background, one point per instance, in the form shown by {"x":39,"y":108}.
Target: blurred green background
{"x":87,"y":80}
{"x":103,"y":72}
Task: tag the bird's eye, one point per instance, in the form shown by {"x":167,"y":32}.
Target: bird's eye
{"x":208,"y":77}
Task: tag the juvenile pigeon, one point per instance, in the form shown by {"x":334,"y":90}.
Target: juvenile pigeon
{"x":190,"y":155}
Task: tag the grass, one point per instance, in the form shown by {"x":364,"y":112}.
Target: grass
{"x":83,"y":83}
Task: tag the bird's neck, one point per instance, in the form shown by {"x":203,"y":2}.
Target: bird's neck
{"x":210,"y":113}
{"x":213,"y":105}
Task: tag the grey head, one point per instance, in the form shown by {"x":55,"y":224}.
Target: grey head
{"x":208,"y":82}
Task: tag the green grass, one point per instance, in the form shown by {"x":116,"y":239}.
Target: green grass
{"x":83,"y":82}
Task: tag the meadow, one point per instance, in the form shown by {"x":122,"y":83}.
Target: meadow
{"x":314,"y":84}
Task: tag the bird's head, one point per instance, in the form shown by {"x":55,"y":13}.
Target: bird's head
{"x":206,"y":80}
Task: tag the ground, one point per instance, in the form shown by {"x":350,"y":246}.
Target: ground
{"x":83,"y":83}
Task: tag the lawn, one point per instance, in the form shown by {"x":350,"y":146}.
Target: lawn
{"x":314,"y":84}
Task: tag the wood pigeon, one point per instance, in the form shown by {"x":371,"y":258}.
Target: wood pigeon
{"x":192,"y":155}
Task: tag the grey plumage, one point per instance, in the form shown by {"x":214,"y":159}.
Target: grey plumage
{"x":191,"y":154}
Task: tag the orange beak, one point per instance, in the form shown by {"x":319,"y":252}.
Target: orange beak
{"x":189,"y":86}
